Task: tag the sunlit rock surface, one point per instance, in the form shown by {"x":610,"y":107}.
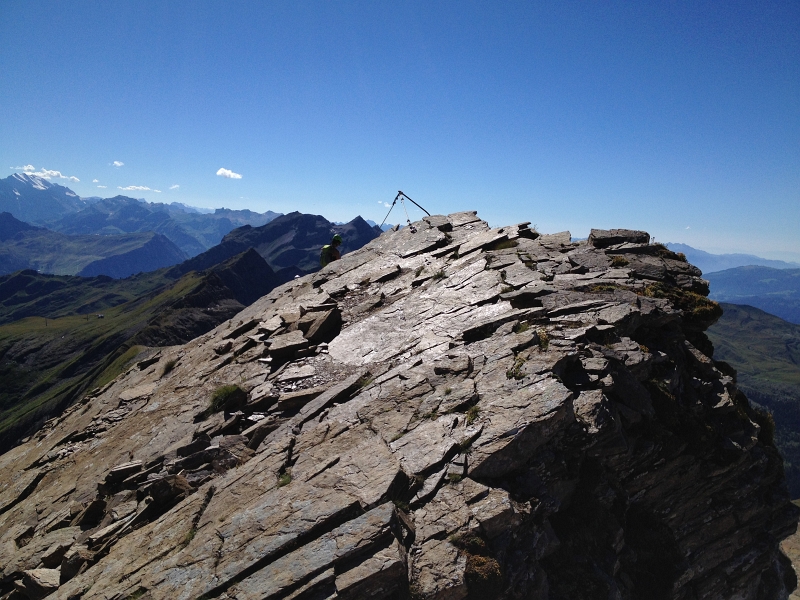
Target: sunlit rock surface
{"x":456,"y":412}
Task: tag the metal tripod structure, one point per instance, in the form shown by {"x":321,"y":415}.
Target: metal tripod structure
{"x":403,"y":197}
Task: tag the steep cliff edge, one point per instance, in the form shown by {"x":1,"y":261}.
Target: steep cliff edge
{"x":460,"y":412}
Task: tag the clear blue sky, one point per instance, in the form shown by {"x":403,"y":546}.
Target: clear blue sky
{"x":680,"y":118}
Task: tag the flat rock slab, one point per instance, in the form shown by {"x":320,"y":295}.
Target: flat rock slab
{"x":41,"y":582}
{"x":514,"y":425}
{"x":481,"y":240}
{"x":287,"y":343}
{"x":428,"y":444}
{"x":358,"y":535}
{"x":140,"y":391}
{"x":603,"y":238}
{"x":264,"y":529}
{"x":296,"y":373}
{"x":299,"y":398}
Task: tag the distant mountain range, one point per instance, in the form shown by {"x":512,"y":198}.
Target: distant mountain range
{"x":710,"y":263}
{"x":37,"y":201}
{"x":290,"y":241}
{"x":24,"y":246}
{"x":776,"y":291}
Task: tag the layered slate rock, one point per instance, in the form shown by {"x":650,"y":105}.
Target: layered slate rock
{"x":452,"y":412}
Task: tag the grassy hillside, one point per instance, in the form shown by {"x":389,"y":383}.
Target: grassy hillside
{"x":765,"y":351}
{"x":28,"y":293}
{"x":49,"y":361}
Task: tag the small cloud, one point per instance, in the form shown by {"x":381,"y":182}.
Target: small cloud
{"x":26,"y":168}
{"x":386,"y":204}
{"x":134,"y":188}
{"x":102,"y":186}
{"x":174,"y":187}
{"x":229,"y":174}
{"x":157,"y":191}
{"x":687,"y":227}
{"x":118,"y":163}
{"x":95,"y":181}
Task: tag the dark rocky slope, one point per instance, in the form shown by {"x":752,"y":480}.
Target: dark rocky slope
{"x":461,"y":412}
{"x":290,"y":241}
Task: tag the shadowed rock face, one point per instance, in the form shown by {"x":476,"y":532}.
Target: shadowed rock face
{"x":460,"y":412}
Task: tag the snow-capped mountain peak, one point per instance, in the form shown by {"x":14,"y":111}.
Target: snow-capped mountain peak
{"x":36,"y":182}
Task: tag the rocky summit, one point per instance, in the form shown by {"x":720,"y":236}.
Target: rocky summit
{"x":452,"y":411}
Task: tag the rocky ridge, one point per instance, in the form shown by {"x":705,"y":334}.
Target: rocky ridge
{"x":455,"y":412}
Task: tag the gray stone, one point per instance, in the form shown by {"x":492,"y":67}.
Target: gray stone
{"x":603,"y":238}
{"x":41,"y":582}
{"x":285,"y":345}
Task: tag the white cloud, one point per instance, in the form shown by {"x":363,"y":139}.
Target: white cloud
{"x":386,"y":204}
{"x":102,"y":186}
{"x":687,"y":227}
{"x":95,"y":181}
{"x":118,"y":163}
{"x":45,"y":173}
{"x":174,"y":187}
{"x":229,"y":174}
{"x":134,"y":188}
{"x":157,"y":191}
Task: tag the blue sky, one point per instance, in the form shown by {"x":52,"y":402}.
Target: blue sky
{"x":680,"y":118}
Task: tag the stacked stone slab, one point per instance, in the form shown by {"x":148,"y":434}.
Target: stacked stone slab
{"x":454,"y":412}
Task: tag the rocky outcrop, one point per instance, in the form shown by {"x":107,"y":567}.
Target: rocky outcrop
{"x":455,"y":412}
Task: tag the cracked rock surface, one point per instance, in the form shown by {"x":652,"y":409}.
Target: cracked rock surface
{"x":456,"y":412}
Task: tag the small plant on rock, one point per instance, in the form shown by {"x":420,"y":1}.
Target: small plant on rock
{"x":224,"y":397}
{"x":168,"y":366}
{"x":619,"y":261}
{"x":284,"y":479}
{"x":522,"y":327}
{"x":515,"y":372}
{"x":440,"y":274}
{"x":544,"y":339}
{"x":472,"y":414}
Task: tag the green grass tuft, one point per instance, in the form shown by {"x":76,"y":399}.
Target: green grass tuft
{"x":222,"y":396}
{"x":168,"y":366}
{"x":522,"y":327}
{"x":619,"y":261}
